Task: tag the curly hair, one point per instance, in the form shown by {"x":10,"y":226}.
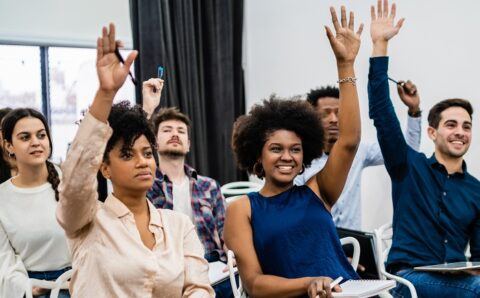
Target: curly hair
{"x":251,"y":131}
{"x":327,"y":91}
{"x":128,"y":124}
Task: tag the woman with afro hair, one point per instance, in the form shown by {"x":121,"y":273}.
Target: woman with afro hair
{"x":283,"y":236}
{"x":124,"y":247}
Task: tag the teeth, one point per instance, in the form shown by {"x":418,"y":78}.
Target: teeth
{"x":285,"y":167}
{"x":457,"y":142}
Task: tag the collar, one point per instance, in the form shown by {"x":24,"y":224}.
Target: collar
{"x":116,"y":206}
{"x":189,"y":171}
{"x":434,"y":163}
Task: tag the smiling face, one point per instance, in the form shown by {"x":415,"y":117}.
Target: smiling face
{"x":131,"y":171}
{"x":172,"y":138}
{"x":30,"y":142}
{"x":327,"y":109}
{"x":453,"y":135}
{"x":282,"y":157}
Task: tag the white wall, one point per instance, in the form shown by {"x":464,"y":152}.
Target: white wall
{"x":287,"y":52}
{"x":62,"y":22}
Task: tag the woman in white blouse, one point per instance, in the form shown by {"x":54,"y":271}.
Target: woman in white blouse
{"x":123,"y":247}
{"x":32,"y":244}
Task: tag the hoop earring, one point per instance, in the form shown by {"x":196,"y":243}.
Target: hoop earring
{"x":11,"y":154}
{"x":303,"y":169}
{"x":260,"y":173}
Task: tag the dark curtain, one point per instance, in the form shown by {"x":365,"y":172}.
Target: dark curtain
{"x":199,"y":44}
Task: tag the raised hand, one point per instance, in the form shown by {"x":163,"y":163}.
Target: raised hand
{"x":383,"y":26}
{"x":409,"y":95}
{"x":151,"y":92}
{"x":111,"y":73}
{"x":345,"y":43}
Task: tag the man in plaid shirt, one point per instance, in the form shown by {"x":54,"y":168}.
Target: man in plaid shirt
{"x":177,"y":186}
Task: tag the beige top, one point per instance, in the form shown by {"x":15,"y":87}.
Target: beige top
{"x":109,"y":258}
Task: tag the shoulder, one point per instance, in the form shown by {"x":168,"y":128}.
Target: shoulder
{"x":239,"y":206}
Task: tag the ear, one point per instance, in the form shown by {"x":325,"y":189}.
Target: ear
{"x":105,"y":169}
{"x":8,"y":146}
{"x":432,"y":133}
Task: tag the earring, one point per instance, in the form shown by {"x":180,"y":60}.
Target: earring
{"x":260,"y":173}
{"x":303,"y":169}
{"x":11,"y":154}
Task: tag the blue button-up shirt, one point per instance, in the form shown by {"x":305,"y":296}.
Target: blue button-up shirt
{"x":434,"y":214}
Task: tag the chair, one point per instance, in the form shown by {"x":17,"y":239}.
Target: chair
{"x":239,"y":188}
{"x":383,"y":241}
{"x":239,"y":291}
{"x":60,"y":284}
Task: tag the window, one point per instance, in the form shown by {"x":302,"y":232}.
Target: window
{"x":20,"y":78}
{"x":73,"y":83}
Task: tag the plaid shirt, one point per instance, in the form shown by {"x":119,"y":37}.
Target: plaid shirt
{"x":208,"y":206}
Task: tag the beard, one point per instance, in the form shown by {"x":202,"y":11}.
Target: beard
{"x":175,"y":154}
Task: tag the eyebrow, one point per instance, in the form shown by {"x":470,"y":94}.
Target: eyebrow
{"x":27,"y":133}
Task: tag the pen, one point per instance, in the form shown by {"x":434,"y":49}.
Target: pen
{"x":336,"y":282}
{"x":396,"y":82}
{"x":333,"y":284}
{"x":160,"y":72}
{"x":119,"y":56}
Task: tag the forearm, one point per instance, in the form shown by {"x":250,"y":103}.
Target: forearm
{"x":389,"y":133}
{"x":349,"y":124}
{"x":264,"y":286}
{"x":414,"y":132}
{"x":78,"y":189}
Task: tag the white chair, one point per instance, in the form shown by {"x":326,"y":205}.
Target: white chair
{"x":60,"y":284}
{"x":356,"y":250}
{"x":239,"y":291}
{"x":383,"y":242}
{"x":239,"y":188}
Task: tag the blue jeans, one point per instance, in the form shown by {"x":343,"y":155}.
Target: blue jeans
{"x":434,"y":285}
{"x":52,"y":276}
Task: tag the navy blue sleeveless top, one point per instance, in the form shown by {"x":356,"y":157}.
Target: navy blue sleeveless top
{"x":294,"y":236}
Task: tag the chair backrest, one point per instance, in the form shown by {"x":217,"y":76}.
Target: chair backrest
{"x":60,"y":284}
{"x":239,"y":292}
{"x":383,"y":242}
{"x":239,"y":188}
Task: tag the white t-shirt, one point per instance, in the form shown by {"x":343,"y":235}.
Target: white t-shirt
{"x":30,"y":237}
{"x":182,"y":198}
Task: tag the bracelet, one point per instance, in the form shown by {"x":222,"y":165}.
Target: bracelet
{"x":352,"y":80}
{"x":415,"y":114}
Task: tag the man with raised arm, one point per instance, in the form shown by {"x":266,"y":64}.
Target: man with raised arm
{"x":436,"y":201}
{"x":347,"y":212}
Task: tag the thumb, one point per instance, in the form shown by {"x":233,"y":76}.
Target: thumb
{"x":131,"y":57}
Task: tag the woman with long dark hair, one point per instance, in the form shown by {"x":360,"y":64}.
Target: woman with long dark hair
{"x":32,"y":243}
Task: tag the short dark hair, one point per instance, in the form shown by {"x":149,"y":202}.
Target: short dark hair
{"x":435,"y":112}
{"x":128,"y":124}
{"x":327,"y":91}
{"x":172,"y":113}
{"x":251,"y":131}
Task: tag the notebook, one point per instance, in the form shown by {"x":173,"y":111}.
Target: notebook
{"x":367,"y":249}
{"x":364,"y":288}
{"x":216,"y":274}
{"x":457,"y":266}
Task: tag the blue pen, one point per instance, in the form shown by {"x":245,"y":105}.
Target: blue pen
{"x":160,"y":72}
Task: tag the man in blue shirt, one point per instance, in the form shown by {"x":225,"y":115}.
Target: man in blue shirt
{"x":436,"y":201}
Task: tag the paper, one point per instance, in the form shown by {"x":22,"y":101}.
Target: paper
{"x":364,"y":288}
{"x":216,"y":274}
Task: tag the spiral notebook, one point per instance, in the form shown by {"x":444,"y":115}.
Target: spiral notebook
{"x":364,"y":288}
{"x":216,"y":274}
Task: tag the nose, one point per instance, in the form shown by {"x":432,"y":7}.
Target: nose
{"x":286,"y":156}
{"x":35,"y":141}
{"x":141,"y":161}
{"x":333,"y":117}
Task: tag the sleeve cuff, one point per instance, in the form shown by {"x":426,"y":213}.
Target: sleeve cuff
{"x":379,"y":64}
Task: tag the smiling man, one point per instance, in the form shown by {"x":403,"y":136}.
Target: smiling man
{"x":436,"y":202}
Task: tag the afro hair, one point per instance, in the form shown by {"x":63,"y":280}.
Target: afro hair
{"x":251,"y":131}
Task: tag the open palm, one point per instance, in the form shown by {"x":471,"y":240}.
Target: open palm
{"x":111,"y":73}
{"x":346,"y":43}
{"x":383,"y":26}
